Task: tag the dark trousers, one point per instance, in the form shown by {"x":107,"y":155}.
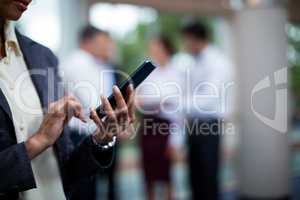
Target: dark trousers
{"x":110,"y":175}
{"x":85,"y":188}
{"x":203,"y":143}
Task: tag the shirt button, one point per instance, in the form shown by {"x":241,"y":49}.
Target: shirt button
{"x":12,"y":87}
{"x":21,"y":128}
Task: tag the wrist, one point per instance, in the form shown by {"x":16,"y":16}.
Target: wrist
{"x":42,"y":140}
{"x":99,"y":140}
{"x":105,"y":145}
{"x":36,"y":145}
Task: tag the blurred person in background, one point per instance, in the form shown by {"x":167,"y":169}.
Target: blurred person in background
{"x":86,"y":73}
{"x":159,"y":110}
{"x":206,"y":109}
{"x":38,"y":159}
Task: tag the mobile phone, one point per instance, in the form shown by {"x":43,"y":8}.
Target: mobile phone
{"x":136,"y":78}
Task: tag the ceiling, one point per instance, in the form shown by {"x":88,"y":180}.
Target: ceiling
{"x":204,"y":7}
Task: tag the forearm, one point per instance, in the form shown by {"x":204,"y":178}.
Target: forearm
{"x":35,"y":145}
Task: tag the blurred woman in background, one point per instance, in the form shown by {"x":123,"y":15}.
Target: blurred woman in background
{"x":158,"y":108}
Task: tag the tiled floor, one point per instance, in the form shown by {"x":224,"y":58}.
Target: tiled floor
{"x":130,"y":184}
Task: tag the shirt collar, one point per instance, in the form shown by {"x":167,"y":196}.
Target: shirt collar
{"x":98,"y":61}
{"x":203,"y":53}
{"x":11,"y":42}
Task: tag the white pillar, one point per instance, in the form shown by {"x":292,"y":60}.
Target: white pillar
{"x":73,"y":15}
{"x":261,"y":51}
{"x":224,"y":35}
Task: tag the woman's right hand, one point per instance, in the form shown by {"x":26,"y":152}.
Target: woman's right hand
{"x":59,"y":113}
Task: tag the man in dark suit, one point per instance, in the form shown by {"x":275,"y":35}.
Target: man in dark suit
{"x":38,"y":159}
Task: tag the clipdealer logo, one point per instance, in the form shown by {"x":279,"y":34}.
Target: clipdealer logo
{"x":279,"y":122}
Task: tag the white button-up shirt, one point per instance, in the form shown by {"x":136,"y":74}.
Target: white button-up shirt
{"x":86,"y":78}
{"x":23,"y":100}
{"x":211,"y":91}
{"x":164,"y":89}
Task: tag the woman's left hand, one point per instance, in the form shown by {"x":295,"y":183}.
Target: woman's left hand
{"x":118,"y":121}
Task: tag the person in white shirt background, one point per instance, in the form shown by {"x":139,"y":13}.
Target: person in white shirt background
{"x":159,"y":108}
{"x":206,"y":106}
{"x":86,"y":70}
{"x":86,"y":73}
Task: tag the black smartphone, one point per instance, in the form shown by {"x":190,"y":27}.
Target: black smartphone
{"x":136,"y":78}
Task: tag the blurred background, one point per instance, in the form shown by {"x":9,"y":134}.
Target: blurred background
{"x":260,"y":37}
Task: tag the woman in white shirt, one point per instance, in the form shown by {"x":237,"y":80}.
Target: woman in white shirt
{"x":158,"y":101}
